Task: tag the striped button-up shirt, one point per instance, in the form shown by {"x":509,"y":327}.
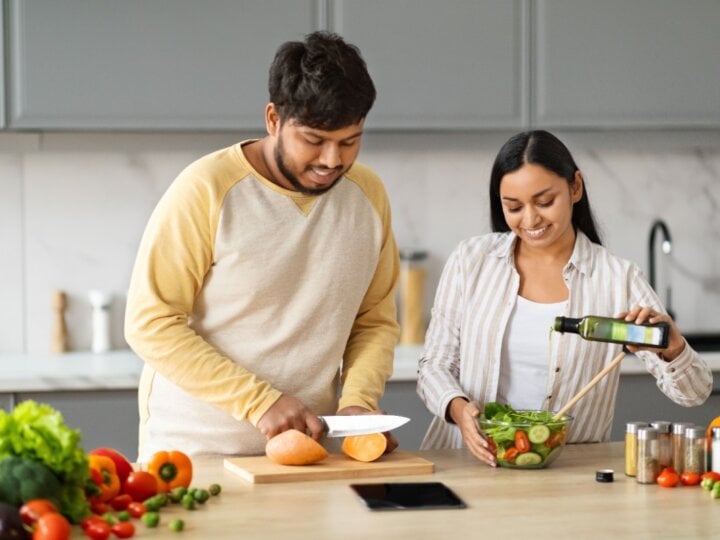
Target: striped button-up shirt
{"x":476,"y":295}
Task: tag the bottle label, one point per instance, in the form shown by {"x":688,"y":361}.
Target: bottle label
{"x":635,"y":333}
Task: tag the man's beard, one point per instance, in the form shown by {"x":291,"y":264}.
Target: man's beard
{"x":285,"y":171}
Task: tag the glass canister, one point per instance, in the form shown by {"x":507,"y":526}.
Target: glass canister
{"x":665,"y":455}
{"x":715,"y":449}
{"x":631,"y":446}
{"x":678,"y":445}
{"x":412,"y":286}
{"x":695,"y":440}
{"x":648,"y":466}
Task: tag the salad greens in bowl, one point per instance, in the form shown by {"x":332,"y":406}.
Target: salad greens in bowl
{"x":524,"y":439}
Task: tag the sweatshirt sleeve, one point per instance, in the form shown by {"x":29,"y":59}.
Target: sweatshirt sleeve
{"x":368,"y":358}
{"x":175,"y":253}
{"x":687,"y":380}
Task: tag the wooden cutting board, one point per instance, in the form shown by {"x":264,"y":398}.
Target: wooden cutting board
{"x":260,"y":470}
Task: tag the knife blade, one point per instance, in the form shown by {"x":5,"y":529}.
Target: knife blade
{"x":362,"y":424}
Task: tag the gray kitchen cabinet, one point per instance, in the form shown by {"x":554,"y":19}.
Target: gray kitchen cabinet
{"x":639,"y":399}
{"x":2,"y":65}
{"x":457,"y":64}
{"x":645,"y":63}
{"x":401,"y":398}
{"x":106,"y":418}
{"x":147,"y":64}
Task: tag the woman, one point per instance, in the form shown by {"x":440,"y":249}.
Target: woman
{"x":500,"y":293}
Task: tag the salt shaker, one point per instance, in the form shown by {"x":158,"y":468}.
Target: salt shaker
{"x":648,"y":466}
{"x":665,"y":456}
{"x":678,"y":445}
{"x":715,"y":449}
{"x":100,"y":302}
{"x":695,"y":450}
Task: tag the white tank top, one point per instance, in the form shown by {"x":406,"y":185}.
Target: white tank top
{"x":525,"y":357}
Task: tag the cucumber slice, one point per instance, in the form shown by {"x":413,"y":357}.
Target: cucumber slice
{"x":528,"y":458}
{"x":538,"y":434}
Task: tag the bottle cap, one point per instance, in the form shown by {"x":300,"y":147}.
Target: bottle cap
{"x":662,"y":426}
{"x":605,"y":475}
{"x":647,"y":434}
{"x":632,"y":427}
{"x":695,"y":433}
{"x":678,"y":428}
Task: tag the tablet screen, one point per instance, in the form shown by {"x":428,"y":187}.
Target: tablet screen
{"x":407,"y":496}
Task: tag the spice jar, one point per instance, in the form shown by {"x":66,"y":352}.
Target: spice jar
{"x":631,"y":447}
{"x":715,"y":449}
{"x":678,"y":445}
{"x":665,"y":455}
{"x":412,"y":285}
{"x":695,"y":450}
{"x":648,"y":466}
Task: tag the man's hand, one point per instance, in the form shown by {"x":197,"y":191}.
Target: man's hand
{"x":465,"y":415}
{"x":392,"y":443}
{"x":289,"y":413}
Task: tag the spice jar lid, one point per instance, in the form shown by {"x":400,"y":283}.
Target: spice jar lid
{"x":662,"y":426}
{"x":695,"y":433}
{"x":632,"y":427}
{"x":679,"y":428}
{"x":605,"y":475}
{"x":646,"y":434}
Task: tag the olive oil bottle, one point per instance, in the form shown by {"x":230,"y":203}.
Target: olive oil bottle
{"x":611,"y":330}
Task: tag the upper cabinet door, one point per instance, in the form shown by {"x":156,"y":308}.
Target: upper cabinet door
{"x":615,"y":63}
{"x":147,"y":64}
{"x":2,"y":70}
{"x":450,"y":64}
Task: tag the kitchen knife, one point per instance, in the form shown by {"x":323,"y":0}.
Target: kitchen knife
{"x":362,"y":424}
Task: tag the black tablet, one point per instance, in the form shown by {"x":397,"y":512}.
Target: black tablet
{"x":407,"y":496}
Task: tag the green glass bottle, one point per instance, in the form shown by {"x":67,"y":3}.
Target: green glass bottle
{"x":611,"y":330}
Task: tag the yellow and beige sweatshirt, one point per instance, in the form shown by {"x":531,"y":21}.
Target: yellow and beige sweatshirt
{"x":243,"y":291}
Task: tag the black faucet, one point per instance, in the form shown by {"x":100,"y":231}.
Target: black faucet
{"x":667,"y":248}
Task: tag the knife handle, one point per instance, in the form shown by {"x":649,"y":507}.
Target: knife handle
{"x":325,"y":427}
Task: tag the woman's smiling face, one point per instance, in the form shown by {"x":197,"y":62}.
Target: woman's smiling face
{"x":538,"y":205}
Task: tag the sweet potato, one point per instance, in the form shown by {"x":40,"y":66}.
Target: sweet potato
{"x":365,"y":447}
{"x":292,"y":447}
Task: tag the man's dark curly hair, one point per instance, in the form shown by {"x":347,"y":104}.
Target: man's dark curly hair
{"x":321,"y":83}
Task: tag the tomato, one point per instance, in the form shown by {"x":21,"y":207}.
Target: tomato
{"x":98,"y":529}
{"x":668,"y":477}
{"x":522,"y":443}
{"x":52,"y":526}
{"x":34,"y":508}
{"x":510,"y":454}
{"x":99,"y":508}
{"x":715,"y":477}
{"x":136,"y":509}
{"x":123,"y":529}
{"x":554,"y":440}
{"x":140,"y":485}
{"x":690,"y":478}
{"x":121,"y":502}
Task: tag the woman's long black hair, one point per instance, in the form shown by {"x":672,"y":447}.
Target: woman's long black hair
{"x":545,"y":149}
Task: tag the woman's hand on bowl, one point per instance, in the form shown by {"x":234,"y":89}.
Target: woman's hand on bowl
{"x":465,"y":415}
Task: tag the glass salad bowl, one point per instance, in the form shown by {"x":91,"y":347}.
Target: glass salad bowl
{"x":525,"y":439}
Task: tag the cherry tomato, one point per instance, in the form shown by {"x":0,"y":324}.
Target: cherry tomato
{"x":510,"y":454}
{"x":140,"y":485}
{"x":123,"y":529}
{"x":52,"y":526}
{"x":715,"y":477}
{"x":99,"y":508}
{"x":554,"y":440}
{"x":668,"y":477}
{"x":98,"y":529}
{"x":690,"y":478}
{"x":34,"y":508}
{"x":136,"y":509}
{"x":121,"y":502}
{"x":522,"y":443}
{"x":85,"y":523}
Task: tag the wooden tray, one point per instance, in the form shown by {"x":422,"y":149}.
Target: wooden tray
{"x":260,"y":470}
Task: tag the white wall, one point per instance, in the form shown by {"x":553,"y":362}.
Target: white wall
{"x":73,"y":208}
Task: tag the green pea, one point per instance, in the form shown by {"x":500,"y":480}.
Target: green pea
{"x":177,"y":525}
{"x":188,"y":502}
{"x":123,"y":516}
{"x":109,"y":518}
{"x":215,"y":489}
{"x":151,"y":519}
{"x":201,"y":495}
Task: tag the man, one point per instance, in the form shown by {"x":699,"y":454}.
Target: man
{"x":265,"y":278}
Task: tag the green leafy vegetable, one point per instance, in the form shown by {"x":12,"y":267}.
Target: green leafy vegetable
{"x":23,"y":479}
{"x":37,"y":431}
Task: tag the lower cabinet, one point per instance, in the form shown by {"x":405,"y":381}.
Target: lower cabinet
{"x":400,"y":398}
{"x":639,"y":399}
{"x":105,"y":417}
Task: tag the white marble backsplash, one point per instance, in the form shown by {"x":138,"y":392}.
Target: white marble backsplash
{"x":73,"y":208}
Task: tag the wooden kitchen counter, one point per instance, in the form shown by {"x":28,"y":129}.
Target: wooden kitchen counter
{"x":562,"y":501}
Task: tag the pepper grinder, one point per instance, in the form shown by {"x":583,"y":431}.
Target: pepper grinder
{"x":100,"y":302}
{"x":59,"y":336}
